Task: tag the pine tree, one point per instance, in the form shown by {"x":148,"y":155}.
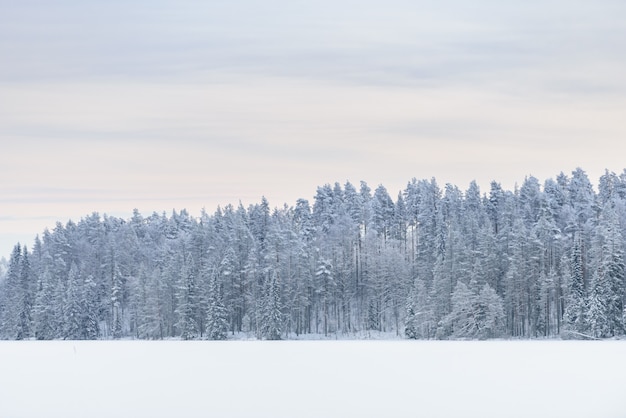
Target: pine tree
{"x":410,"y":321}
{"x":11,"y":297}
{"x":373,"y":316}
{"x":271,"y":327}
{"x":151,"y":321}
{"x":187,"y":299}
{"x":382,"y":212}
{"x":460,"y":322}
{"x":217,"y":316}
{"x":552,"y":258}
{"x":25,"y":298}
{"x":116,"y":303}
{"x":597,"y":319}
{"x":490,"y":315}
{"x":60,"y":293}
{"x":73,"y":311}
{"x":475,"y":315}
{"x":605,"y":314}
{"x":576,"y":306}
{"x":324,"y":286}
{"x":44,"y":309}
{"x":89,"y":317}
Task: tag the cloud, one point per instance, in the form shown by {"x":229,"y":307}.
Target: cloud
{"x":192,"y":104}
{"x":143,"y":139}
{"x":362,"y":42}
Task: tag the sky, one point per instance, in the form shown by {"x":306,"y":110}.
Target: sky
{"x":161,"y":105}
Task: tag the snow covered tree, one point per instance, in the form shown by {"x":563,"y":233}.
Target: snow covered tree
{"x":44,"y":309}
{"x":11,"y":296}
{"x":271,"y":326}
{"x":74,"y":305}
{"x":576,"y":306}
{"x":552,"y":259}
{"x":382,"y":212}
{"x":606,"y":309}
{"x":490,"y":317}
{"x":324,"y":286}
{"x":418,"y":318}
{"x":116,"y":302}
{"x":217,"y":321}
{"x":25,"y":298}
{"x":187,"y":302}
{"x":475,"y":315}
{"x":89,"y":314}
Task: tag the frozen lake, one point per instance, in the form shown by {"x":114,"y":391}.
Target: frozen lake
{"x":312,"y":379}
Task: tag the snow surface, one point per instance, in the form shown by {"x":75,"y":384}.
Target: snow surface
{"x":312,"y":379}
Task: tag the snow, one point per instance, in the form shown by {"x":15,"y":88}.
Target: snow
{"x":312,"y":379}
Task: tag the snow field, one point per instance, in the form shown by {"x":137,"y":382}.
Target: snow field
{"x":68,"y":379}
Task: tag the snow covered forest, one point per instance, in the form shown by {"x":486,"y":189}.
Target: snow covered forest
{"x":433,"y":263}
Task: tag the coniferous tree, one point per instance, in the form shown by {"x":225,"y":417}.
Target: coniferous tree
{"x":11,"y":294}
{"x":576,"y":306}
{"x":187,"y":302}
{"x":73,"y":321}
{"x":410,"y":321}
{"x":217,"y":321}
{"x":476,"y":314}
{"x":490,"y":314}
{"x":25,"y":297}
{"x":44,"y":309}
{"x":605,"y":315}
{"x":271,"y":316}
{"x":89,"y":316}
{"x":552,"y":258}
{"x":419,"y":322}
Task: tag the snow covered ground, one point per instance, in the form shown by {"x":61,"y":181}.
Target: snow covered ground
{"x":312,"y":379}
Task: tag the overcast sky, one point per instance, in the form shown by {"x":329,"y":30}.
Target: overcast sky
{"x":155,"y":105}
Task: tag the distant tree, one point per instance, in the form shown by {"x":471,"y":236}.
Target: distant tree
{"x":11,"y":296}
{"x":606,"y":308}
{"x":44,"y":309}
{"x":324,"y":287}
{"x":74,"y":307}
{"x":89,"y":315}
{"x":187,"y":302}
{"x":26,"y":294}
{"x":436,"y":263}
{"x":475,"y":315}
{"x":576,"y":306}
{"x":117,"y":310}
{"x":382,"y":212}
{"x":419,"y":322}
{"x":217,"y":317}
{"x":271,"y":316}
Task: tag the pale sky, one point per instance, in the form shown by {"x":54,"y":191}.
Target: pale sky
{"x":155,"y":105}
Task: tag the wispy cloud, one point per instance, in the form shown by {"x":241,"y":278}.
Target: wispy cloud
{"x":190,"y":104}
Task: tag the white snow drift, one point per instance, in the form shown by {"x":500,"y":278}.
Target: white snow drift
{"x":68,"y":379}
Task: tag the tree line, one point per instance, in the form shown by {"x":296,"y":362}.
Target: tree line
{"x":542,"y":260}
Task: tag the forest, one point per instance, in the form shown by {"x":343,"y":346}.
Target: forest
{"x":540,"y":261}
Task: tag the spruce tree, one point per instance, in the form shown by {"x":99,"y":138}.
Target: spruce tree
{"x":217,"y":316}
{"x":11,"y":297}
{"x":116,"y":303}
{"x":271,"y":327}
{"x":73,"y":311}
{"x":410,"y":321}
{"x":605,"y":311}
{"x":576,"y":306}
{"x":187,"y":301}
{"x":44,"y":309}
{"x":89,"y":315}
{"x":25,"y":298}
